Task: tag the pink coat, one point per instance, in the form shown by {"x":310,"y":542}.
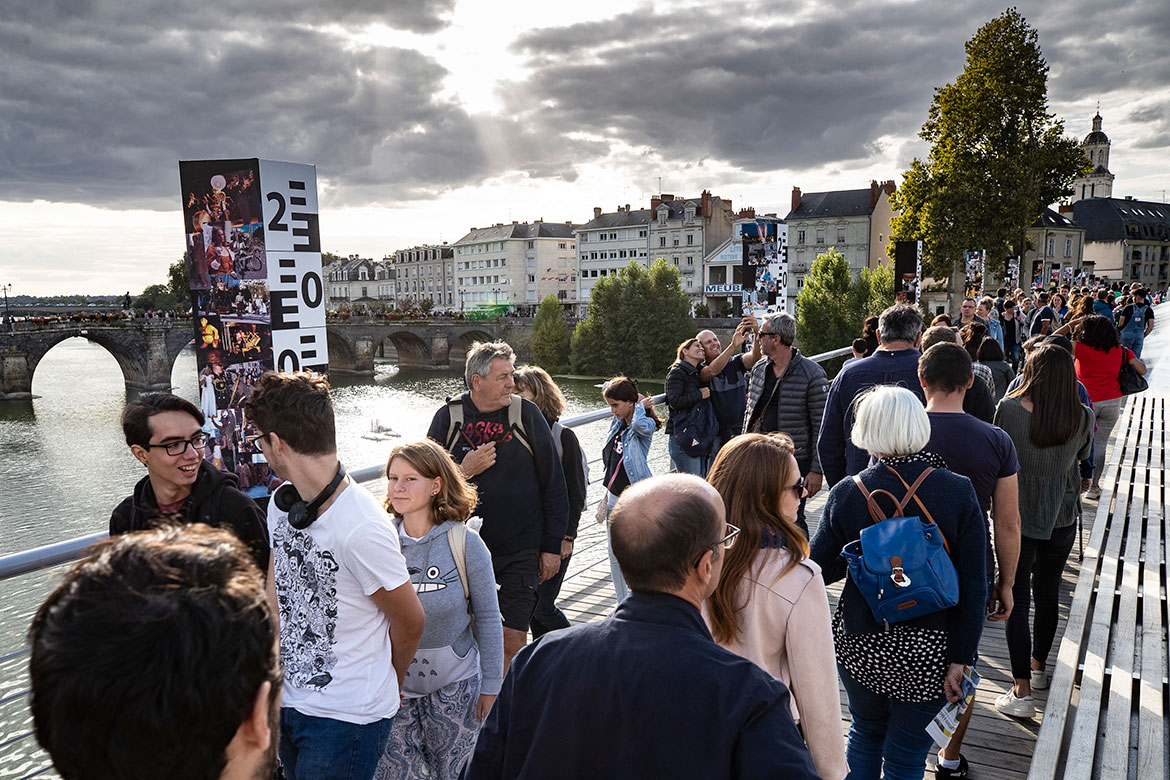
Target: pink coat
{"x":803,"y":657}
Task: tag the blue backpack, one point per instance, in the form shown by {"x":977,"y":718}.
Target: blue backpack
{"x":902,"y":565}
{"x":696,"y":429}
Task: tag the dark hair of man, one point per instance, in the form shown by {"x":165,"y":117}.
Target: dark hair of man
{"x":1103,"y":295}
{"x":860,"y":345}
{"x":1009,"y":303}
{"x":1049,"y":381}
{"x":136,"y":416}
{"x":297,"y":408}
{"x":1097,"y":332}
{"x":900,"y":322}
{"x":658,"y":552}
{"x":938,"y":334}
{"x":972,"y":334}
{"x":622,"y":388}
{"x":990,"y":351}
{"x":1042,"y":297}
{"x":1001,"y":292}
{"x":148,"y":656}
{"x":945,"y":367}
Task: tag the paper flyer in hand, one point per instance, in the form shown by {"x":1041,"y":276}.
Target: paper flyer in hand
{"x":943,"y":726}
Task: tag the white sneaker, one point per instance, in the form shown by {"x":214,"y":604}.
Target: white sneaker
{"x":1093,"y":493}
{"x":1016,"y":706}
{"x":1039,"y":680}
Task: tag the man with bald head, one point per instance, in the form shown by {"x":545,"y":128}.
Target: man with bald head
{"x":725,"y":372}
{"x":646,"y":692}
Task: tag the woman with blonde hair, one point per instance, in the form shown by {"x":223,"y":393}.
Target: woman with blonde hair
{"x":458,"y":668}
{"x":535,"y":384}
{"x":899,"y":675}
{"x":770,"y":604}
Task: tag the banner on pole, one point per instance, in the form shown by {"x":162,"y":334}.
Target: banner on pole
{"x":258,"y":297}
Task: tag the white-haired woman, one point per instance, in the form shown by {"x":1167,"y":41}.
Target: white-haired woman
{"x":898,"y":679}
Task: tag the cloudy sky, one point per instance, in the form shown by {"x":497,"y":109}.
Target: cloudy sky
{"x":427,"y":117}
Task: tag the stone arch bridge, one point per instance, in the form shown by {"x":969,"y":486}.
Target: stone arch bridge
{"x":146,"y":349}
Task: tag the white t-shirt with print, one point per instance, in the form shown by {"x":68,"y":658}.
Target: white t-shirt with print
{"x":334,"y":641}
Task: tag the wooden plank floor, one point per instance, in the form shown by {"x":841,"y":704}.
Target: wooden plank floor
{"x":997,"y":747}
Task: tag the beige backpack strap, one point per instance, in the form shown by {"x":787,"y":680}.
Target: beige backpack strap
{"x":516,"y":423}
{"x":875,"y":511}
{"x":457,"y":540}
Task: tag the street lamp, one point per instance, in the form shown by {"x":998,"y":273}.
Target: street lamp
{"x":7,"y":312}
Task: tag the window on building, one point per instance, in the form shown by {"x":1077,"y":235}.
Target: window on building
{"x":1051,"y":247}
{"x":641,"y":234}
{"x":690,"y":284}
{"x":1068,"y":247}
{"x":718,"y":274}
{"x":662,"y":241}
{"x":562,"y":245}
{"x":531,"y":278}
{"x":820,"y":235}
{"x":532,"y":245}
{"x":690,"y":239}
{"x":840,"y":234}
{"x":800,"y":236}
{"x":690,"y":259}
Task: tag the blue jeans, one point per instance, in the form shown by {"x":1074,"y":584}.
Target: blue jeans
{"x":615,"y":571}
{"x":683,"y":463}
{"x":326,"y":749}
{"x":1133,"y":340}
{"x":883,"y":728}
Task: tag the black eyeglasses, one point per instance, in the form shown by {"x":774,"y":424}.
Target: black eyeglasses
{"x":767,"y":333}
{"x":726,"y":542}
{"x":173,"y":448}
{"x":798,"y":488}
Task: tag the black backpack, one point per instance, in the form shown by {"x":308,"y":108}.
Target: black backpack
{"x":696,"y":428}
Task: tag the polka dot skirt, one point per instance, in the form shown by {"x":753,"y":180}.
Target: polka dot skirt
{"x":906,"y":663}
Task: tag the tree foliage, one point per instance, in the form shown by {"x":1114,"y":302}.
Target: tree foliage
{"x":179,"y":282}
{"x":550,"y":335}
{"x":997,"y":157}
{"x":636,"y":321}
{"x":832,"y":305}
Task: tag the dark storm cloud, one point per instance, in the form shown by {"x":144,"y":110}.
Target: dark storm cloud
{"x":98,"y":106}
{"x":814,"y":89}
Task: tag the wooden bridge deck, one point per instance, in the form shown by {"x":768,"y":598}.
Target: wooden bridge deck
{"x":998,"y":747}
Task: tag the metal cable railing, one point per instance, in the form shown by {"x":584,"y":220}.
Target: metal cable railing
{"x":41,"y":558}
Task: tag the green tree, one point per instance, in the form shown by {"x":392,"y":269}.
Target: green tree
{"x":636,"y":320}
{"x":826,"y":309}
{"x":179,"y":283}
{"x":156,"y":297}
{"x":997,"y":157}
{"x":550,"y":336}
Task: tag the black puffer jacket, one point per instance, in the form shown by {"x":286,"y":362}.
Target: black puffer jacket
{"x":801,"y":395}
{"x":683,"y":390}
{"x":215,"y":500}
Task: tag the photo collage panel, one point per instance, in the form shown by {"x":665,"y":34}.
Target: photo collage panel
{"x":230,"y":298}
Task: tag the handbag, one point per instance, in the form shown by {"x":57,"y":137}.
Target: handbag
{"x":601,"y":514}
{"x":696,"y":429}
{"x":1128,"y":377}
{"x":901,"y":565}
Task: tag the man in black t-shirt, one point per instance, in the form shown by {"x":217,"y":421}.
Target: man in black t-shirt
{"x":1044,"y":321}
{"x":725,"y":373}
{"x":523,"y":499}
{"x":985,"y":455}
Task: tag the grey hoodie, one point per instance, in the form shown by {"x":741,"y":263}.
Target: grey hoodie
{"x":447,"y":638}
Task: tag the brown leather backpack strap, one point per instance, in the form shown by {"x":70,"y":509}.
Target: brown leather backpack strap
{"x":875,"y":511}
{"x":911,"y":493}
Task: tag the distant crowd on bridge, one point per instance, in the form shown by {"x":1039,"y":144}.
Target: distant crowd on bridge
{"x":417,"y":634}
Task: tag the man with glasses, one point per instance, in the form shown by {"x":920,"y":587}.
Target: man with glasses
{"x":165,"y":433}
{"x":786,"y":394}
{"x":646,"y":692}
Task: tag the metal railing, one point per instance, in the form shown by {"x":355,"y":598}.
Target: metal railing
{"x":41,"y":558}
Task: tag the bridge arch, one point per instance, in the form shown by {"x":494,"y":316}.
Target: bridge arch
{"x":405,"y":348}
{"x":146,"y":353}
{"x":342,"y":356}
{"x":457,"y":356}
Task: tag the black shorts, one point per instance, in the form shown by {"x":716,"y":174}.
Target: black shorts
{"x":517,"y":575}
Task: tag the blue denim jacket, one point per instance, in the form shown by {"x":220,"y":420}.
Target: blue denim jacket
{"x":635,"y":442}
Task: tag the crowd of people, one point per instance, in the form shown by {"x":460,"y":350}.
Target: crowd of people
{"x":404,"y":620}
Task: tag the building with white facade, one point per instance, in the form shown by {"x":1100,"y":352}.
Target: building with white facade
{"x":855,"y":222}
{"x":608,"y":243}
{"x":685,"y":231}
{"x":359,"y":280}
{"x":1126,"y":240}
{"x":516,"y":265}
{"x":426,"y":272}
{"x":1056,"y":250}
{"x":1098,"y":182}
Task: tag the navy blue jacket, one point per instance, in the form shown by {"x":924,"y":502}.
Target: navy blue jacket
{"x":644,"y":693}
{"x":839,"y":458}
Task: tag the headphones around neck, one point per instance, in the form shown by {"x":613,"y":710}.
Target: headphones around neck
{"x":301,"y":513}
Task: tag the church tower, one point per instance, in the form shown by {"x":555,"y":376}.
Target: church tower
{"x":1098,"y":183}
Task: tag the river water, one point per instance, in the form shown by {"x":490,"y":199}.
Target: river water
{"x":65,"y":466}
